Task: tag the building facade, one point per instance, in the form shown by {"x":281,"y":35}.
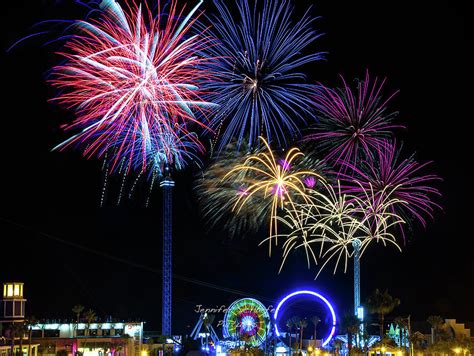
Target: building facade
{"x":22,"y":337}
{"x":94,"y":339}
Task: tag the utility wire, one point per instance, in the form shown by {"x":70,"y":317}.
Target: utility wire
{"x":133,"y":264}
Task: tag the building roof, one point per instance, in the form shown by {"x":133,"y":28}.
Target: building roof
{"x":422,"y":326}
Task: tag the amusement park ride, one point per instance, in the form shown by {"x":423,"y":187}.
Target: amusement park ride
{"x":247,"y":323}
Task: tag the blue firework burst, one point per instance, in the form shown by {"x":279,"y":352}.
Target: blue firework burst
{"x":258,"y":83}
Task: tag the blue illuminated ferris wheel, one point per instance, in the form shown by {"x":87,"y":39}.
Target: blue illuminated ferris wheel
{"x":318,"y":298}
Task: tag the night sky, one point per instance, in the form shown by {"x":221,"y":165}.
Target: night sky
{"x":67,"y":250}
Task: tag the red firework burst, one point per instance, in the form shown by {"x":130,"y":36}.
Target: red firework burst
{"x":132,"y":80}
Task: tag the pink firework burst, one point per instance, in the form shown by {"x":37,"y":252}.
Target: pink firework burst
{"x":132,"y":80}
{"x":388,"y":177}
{"x":352,"y":123}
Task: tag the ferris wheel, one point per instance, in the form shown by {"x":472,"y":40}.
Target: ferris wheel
{"x":247,"y":320}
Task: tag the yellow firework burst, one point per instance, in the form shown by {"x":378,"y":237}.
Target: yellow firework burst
{"x":329,"y":223}
{"x":276,"y":179}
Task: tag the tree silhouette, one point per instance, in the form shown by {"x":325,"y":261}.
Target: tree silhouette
{"x":382,"y":304}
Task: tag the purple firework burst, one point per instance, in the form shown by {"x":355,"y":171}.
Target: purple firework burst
{"x":352,"y":123}
{"x":388,"y":176}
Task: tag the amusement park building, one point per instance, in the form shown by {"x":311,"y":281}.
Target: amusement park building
{"x":95,"y":339}
{"x":57,"y":337}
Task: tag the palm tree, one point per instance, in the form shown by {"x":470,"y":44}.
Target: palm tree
{"x":350,"y":325}
{"x":77,"y":310}
{"x":382,"y":304}
{"x":90,"y":317}
{"x":315,"y":320}
{"x":303,"y":324}
{"x":436,"y":323}
{"x":289,"y":324}
{"x":296,"y":323}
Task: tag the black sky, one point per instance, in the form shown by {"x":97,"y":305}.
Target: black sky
{"x":423,"y":50}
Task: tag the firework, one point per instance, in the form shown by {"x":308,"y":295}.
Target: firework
{"x":330,"y":223}
{"x":258,"y":84}
{"x":295,"y":220}
{"x":402,"y":179}
{"x":177,"y":148}
{"x":217,"y":197}
{"x":352,"y":124}
{"x":130,"y":77}
{"x":180,"y":149}
{"x":276,"y":180}
{"x":324,"y":226}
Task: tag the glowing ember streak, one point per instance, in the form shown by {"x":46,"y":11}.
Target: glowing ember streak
{"x":310,"y":182}
{"x":285,"y":165}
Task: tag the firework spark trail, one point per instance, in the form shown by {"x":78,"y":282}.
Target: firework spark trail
{"x":217,"y":197}
{"x":352,"y":124}
{"x":332,"y":225}
{"x":130,"y":77}
{"x":182,"y":147}
{"x":273,"y":179}
{"x":295,"y":221}
{"x":258,"y":84}
{"x":386,"y":174}
{"x":329,"y":224}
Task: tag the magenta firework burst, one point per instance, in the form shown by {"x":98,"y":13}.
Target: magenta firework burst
{"x":130,"y":78}
{"x":352,"y":123}
{"x":402,"y":179}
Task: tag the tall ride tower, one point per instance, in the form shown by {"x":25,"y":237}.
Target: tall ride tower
{"x":167,"y":185}
{"x":358,"y":308}
{"x":356,"y":246}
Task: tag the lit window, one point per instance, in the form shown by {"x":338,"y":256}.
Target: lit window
{"x":10,"y":290}
{"x":17,"y":290}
